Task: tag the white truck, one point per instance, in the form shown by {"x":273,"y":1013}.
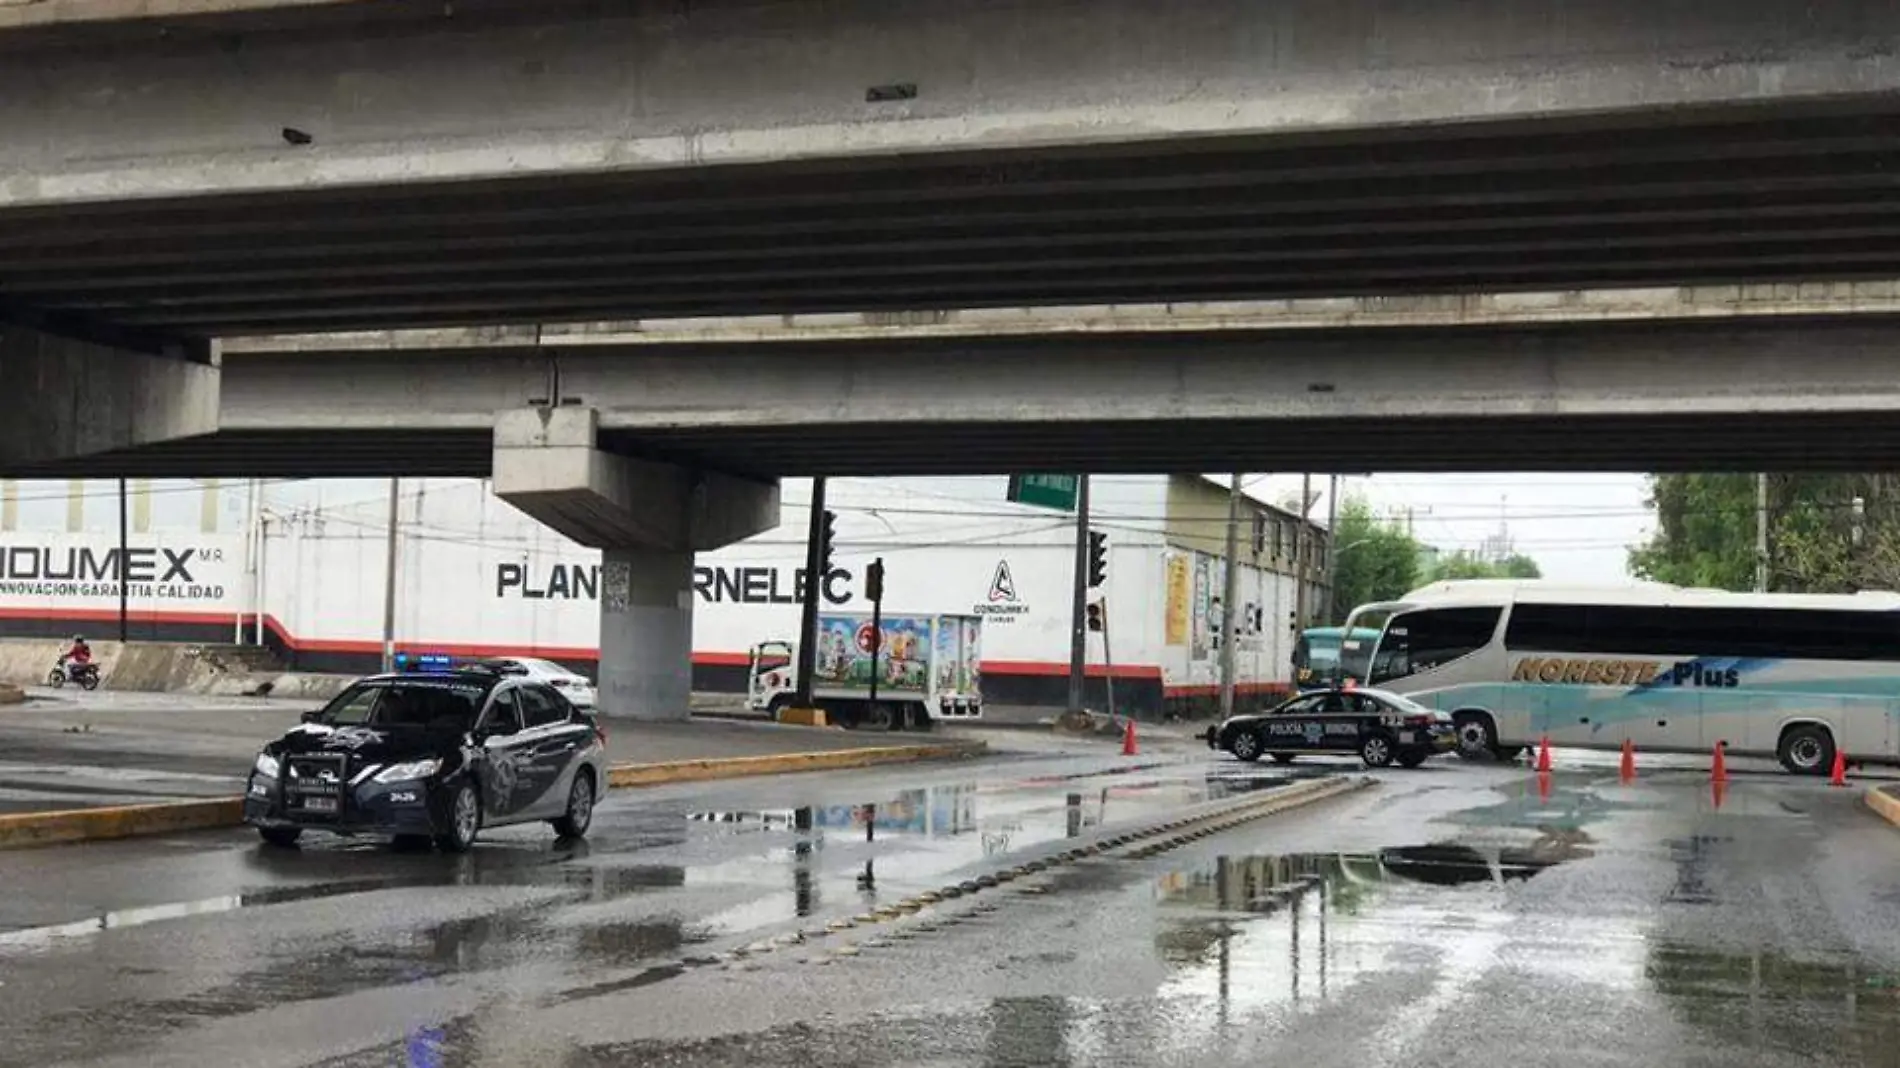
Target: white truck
{"x":928,"y":668}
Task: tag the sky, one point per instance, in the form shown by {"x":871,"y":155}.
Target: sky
{"x":1578,"y":527}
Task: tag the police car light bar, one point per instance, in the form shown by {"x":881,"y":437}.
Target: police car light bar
{"x":425,"y":662}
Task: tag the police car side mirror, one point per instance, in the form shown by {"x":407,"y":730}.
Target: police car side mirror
{"x":314,"y":715}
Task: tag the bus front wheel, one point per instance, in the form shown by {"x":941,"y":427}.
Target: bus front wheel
{"x":1806,"y":749}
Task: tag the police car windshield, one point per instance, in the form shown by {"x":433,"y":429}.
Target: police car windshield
{"x":432,"y":704}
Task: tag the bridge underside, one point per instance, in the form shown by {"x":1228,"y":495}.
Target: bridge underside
{"x":1808,"y":442}
{"x":1778,"y":394}
{"x":1711,"y":197}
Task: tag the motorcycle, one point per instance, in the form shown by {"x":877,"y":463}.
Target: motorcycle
{"x":86,"y":676}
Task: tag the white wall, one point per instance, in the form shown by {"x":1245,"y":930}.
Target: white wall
{"x":474,"y":572}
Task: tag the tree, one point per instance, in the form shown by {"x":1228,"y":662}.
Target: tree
{"x":1373,"y":559}
{"x":1705,"y":532}
{"x":1467,"y":565}
{"x":1826,"y":533}
{"x":1519,"y":566}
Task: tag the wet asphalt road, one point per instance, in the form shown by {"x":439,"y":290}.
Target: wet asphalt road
{"x":1458,"y":914}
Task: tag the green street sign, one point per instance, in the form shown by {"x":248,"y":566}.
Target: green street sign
{"x":1046,"y":491}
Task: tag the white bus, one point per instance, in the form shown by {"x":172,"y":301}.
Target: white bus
{"x":1795,"y":676}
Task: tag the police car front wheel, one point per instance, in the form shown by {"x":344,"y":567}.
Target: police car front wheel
{"x":1246,"y":746}
{"x":1376,"y":751}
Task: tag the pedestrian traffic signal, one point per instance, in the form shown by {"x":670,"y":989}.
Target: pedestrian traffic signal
{"x":1098,"y":558}
{"x":827,"y":532}
{"x":1095,"y":616}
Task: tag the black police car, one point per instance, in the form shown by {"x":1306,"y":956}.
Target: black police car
{"x":431,"y":755}
{"x":1381,"y":727}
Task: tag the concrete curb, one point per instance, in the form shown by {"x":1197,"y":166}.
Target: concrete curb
{"x":1884,"y":803}
{"x":119,"y":821}
{"x":625,"y":775}
{"x":30,"y":829}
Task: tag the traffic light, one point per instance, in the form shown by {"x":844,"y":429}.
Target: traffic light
{"x":874,"y":581}
{"x":1095,"y":609}
{"x":1098,"y":558}
{"x":827,"y":534}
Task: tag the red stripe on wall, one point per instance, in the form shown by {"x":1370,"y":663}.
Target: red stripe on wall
{"x":1049,"y":667}
{"x":1213,"y":690}
{"x":1138,"y":672}
{"x":111,"y":615}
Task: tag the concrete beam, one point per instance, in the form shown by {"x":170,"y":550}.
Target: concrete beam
{"x":548,"y":465}
{"x":1610,"y":369}
{"x":691,"y":85}
{"x":23,"y":14}
{"x":1779,"y":300}
{"x":66,"y":398}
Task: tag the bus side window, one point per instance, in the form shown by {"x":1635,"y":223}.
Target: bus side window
{"x":1423,"y":640}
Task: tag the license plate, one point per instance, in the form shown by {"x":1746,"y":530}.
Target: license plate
{"x":1405,"y":737}
{"x":319,"y":804}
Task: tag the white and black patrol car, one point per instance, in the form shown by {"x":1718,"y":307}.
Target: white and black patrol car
{"x":1381,"y":727}
{"x":436,"y":754}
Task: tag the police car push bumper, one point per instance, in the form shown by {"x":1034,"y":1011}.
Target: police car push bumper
{"x":383,"y":800}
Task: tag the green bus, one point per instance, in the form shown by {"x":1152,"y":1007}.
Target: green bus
{"x":1316,"y":660}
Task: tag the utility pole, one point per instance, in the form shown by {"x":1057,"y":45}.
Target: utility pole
{"x":1230,"y":596}
{"x":1332,"y":546}
{"x":1299,"y":555}
{"x":124,"y":562}
{"x":389,"y":579}
{"x":1761,"y":533}
{"x":1078,"y":608}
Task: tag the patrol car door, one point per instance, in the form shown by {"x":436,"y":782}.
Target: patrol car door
{"x":551,"y":746}
{"x":504,"y":757}
{"x":1292,"y":725}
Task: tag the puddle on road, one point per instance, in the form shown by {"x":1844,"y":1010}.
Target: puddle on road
{"x":563,"y":868}
{"x":1828,"y":1010}
{"x":1273,"y":883}
{"x":910,"y":838}
{"x":1561,"y":801}
{"x":1276,"y":928}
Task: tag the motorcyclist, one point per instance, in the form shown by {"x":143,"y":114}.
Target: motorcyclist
{"x":78,"y":656}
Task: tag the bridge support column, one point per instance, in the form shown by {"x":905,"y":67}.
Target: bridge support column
{"x":66,"y":398}
{"x":649,"y":519}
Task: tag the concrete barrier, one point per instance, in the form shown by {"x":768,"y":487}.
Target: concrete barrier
{"x":163,"y":667}
{"x":126,"y":821}
{"x":119,"y":821}
{"x":625,"y":775}
{"x":1884,"y":800}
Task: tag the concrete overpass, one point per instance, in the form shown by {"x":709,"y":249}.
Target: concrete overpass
{"x":313,"y":166}
{"x":231,"y":168}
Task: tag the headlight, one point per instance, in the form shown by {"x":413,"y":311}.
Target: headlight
{"x":267,"y":766}
{"x":415,"y":769}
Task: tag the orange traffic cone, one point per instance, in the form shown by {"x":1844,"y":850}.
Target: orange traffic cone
{"x":1128,"y":740}
{"x":1543,"y":753}
{"x":1838,"y":777}
{"x":1719,"y":791}
{"x":1718,"y":771}
{"x":1628,"y":771}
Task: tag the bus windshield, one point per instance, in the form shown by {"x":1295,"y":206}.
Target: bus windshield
{"x":1316,"y":654}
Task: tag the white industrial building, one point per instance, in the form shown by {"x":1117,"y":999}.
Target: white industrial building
{"x":302,"y":567}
